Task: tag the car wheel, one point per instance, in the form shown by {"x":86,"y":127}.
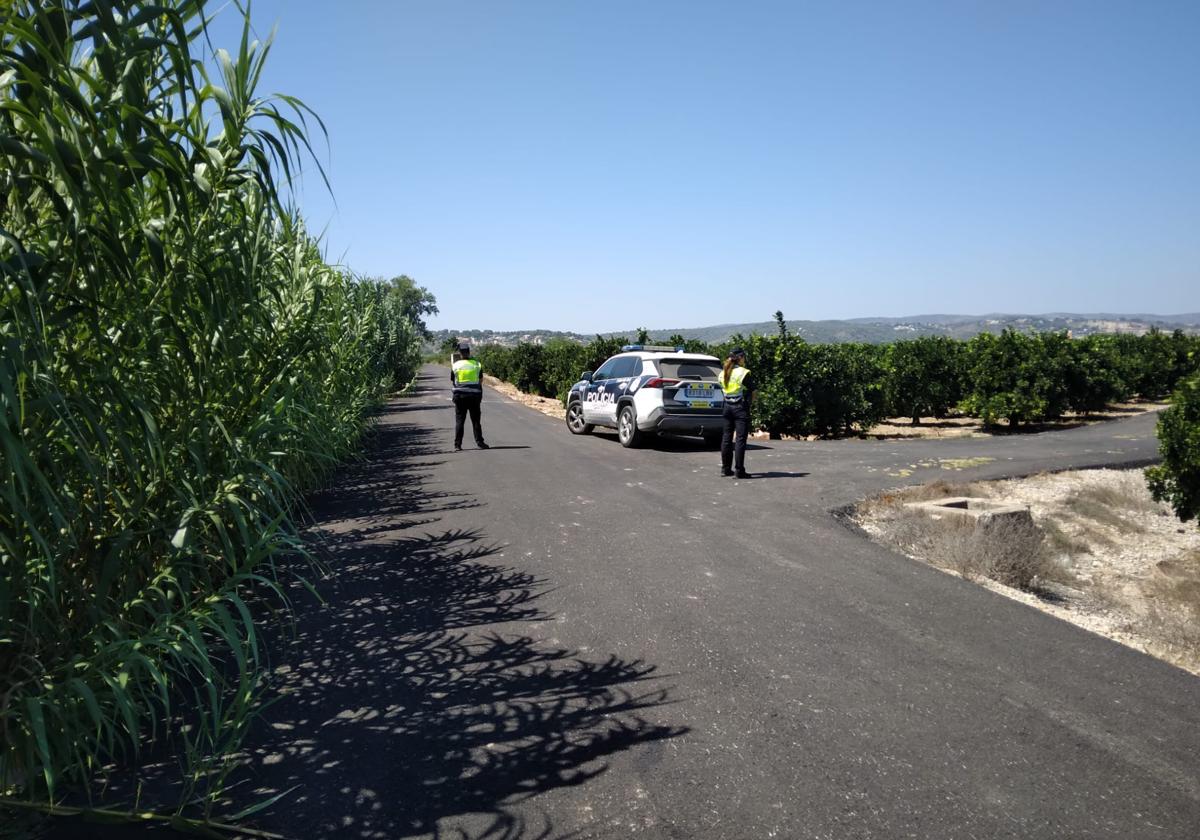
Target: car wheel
{"x":627,"y":430}
{"x":575,"y":420}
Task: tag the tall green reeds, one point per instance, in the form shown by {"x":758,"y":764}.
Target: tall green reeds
{"x":179,"y":363}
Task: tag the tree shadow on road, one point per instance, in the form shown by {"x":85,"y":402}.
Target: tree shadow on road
{"x":401,"y":707}
{"x":416,"y":697}
{"x":404,"y":409}
{"x":385,"y":487}
{"x":408,"y":697}
{"x":413,"y":696}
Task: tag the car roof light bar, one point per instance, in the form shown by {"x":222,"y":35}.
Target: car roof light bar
{"x":652,"y":348}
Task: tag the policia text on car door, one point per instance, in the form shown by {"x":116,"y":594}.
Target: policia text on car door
{"x":607,"y":386}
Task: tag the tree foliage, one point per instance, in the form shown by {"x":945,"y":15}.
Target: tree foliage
{"x":837,"y":389}
{"x":1016,"y":377}
{"x":1154,"y":364}
{"x":925,"y":376}
{"x":413,"y":302}
{"x":1096,"y":375}
{"x":548,"y":369}
{"x":1177,"y":479}
{"x":813,"y":389}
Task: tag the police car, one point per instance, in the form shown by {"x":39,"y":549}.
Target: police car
{"x":646,"y":389}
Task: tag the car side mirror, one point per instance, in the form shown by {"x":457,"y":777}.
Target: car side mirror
{"x":586,"y":376}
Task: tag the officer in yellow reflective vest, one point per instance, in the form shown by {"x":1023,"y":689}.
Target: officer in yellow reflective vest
{"x":739,"y":391}
{"x":466,"y":376}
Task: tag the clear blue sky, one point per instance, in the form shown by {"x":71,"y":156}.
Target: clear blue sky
{"x":597,"y":166}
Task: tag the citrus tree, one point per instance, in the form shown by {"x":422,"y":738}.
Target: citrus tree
{"x":1016,"y":377}
{"x":924,"y":376}
{"x":1177,"y":479}
{"x":1095,"y":374}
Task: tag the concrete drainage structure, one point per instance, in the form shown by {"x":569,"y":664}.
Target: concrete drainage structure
{"x":984,"y":513}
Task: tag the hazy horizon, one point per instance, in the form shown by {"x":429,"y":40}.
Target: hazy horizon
{"x":1182,"y":318}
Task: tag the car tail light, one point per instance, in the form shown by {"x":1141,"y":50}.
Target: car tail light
{"x":659,"y":382}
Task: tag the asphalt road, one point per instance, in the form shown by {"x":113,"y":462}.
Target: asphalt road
{"x":560,"y":637}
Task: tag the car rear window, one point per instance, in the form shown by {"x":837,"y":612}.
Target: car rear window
{"x":688,"y":369}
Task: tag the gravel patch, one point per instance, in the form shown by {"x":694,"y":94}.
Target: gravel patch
{"x":1121,"y":565}
{"x":547,"y":405}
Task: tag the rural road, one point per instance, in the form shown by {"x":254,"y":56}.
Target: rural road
{"x":560,"y":637}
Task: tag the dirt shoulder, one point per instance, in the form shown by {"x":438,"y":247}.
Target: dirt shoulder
{"x":547,"y":405}
{"x":895,"y":428}
{"x":1101,"y":554}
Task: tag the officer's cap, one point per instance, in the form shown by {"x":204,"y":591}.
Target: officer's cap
{"x":464,"y":347}
{"x":736,"y":351}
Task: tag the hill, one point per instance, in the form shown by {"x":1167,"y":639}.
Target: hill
{"x":876,"y":330}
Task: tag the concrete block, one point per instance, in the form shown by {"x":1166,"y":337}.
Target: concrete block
{"x":983,"y":512}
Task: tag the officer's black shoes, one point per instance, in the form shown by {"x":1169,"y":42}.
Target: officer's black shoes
{"x":742,"y":474}
{"x":726,"y":472}
{"x":457,"y":448}
{"x":482,"y":446}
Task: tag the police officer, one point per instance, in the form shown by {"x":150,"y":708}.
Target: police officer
{"x":739,"y":391}
{"x":466,"y":375}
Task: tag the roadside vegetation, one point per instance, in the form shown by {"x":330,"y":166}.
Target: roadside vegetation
{"x":1177,"y":479}
{"x":1009,"y":381}
{"x":179,"y":366}
{"x":1098,"y":551}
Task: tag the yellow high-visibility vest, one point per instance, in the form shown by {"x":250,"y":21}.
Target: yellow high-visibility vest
{"x":733,"y":385}
{"x":467,"y":372}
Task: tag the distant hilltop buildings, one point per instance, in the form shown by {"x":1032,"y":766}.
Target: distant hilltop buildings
{"x":870,"y":330}
{"x":505,"y":339}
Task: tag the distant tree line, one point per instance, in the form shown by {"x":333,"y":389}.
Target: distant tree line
{"x":836,"y":389}
{"x":1013,"y":378}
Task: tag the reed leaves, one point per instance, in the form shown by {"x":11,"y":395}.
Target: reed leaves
{"x":179,"y":365}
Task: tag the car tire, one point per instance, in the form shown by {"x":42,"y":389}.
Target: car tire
{"x":627,"y":430}
{"x":575,"y":422}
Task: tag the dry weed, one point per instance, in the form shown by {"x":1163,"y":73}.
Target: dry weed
{"x":1163,"y":610}
{"x":1059,"y":541}
{"x":1173,"y":617}
{"x":1009,"y":551}
{"x":941,"y":489}
{"x":1119,"y":504}
{"x":1087,"y":506}
{"x":1012,"y":551}
{"x":915,"y":534}
{"x":1100,"y":555}
{"x":1126,"y":492}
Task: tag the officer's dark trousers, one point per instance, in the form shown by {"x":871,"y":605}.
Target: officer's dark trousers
{"x":733,"y":441}
{"x":465,"y":403}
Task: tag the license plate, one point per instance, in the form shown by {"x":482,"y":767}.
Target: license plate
{"x":698,"y":393}
{"x":700,"y":404}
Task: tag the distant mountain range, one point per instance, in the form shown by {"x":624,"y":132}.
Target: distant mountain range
{"x":873,"y":330}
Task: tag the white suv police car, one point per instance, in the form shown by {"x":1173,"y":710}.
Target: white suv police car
{"x":646,"y":389}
